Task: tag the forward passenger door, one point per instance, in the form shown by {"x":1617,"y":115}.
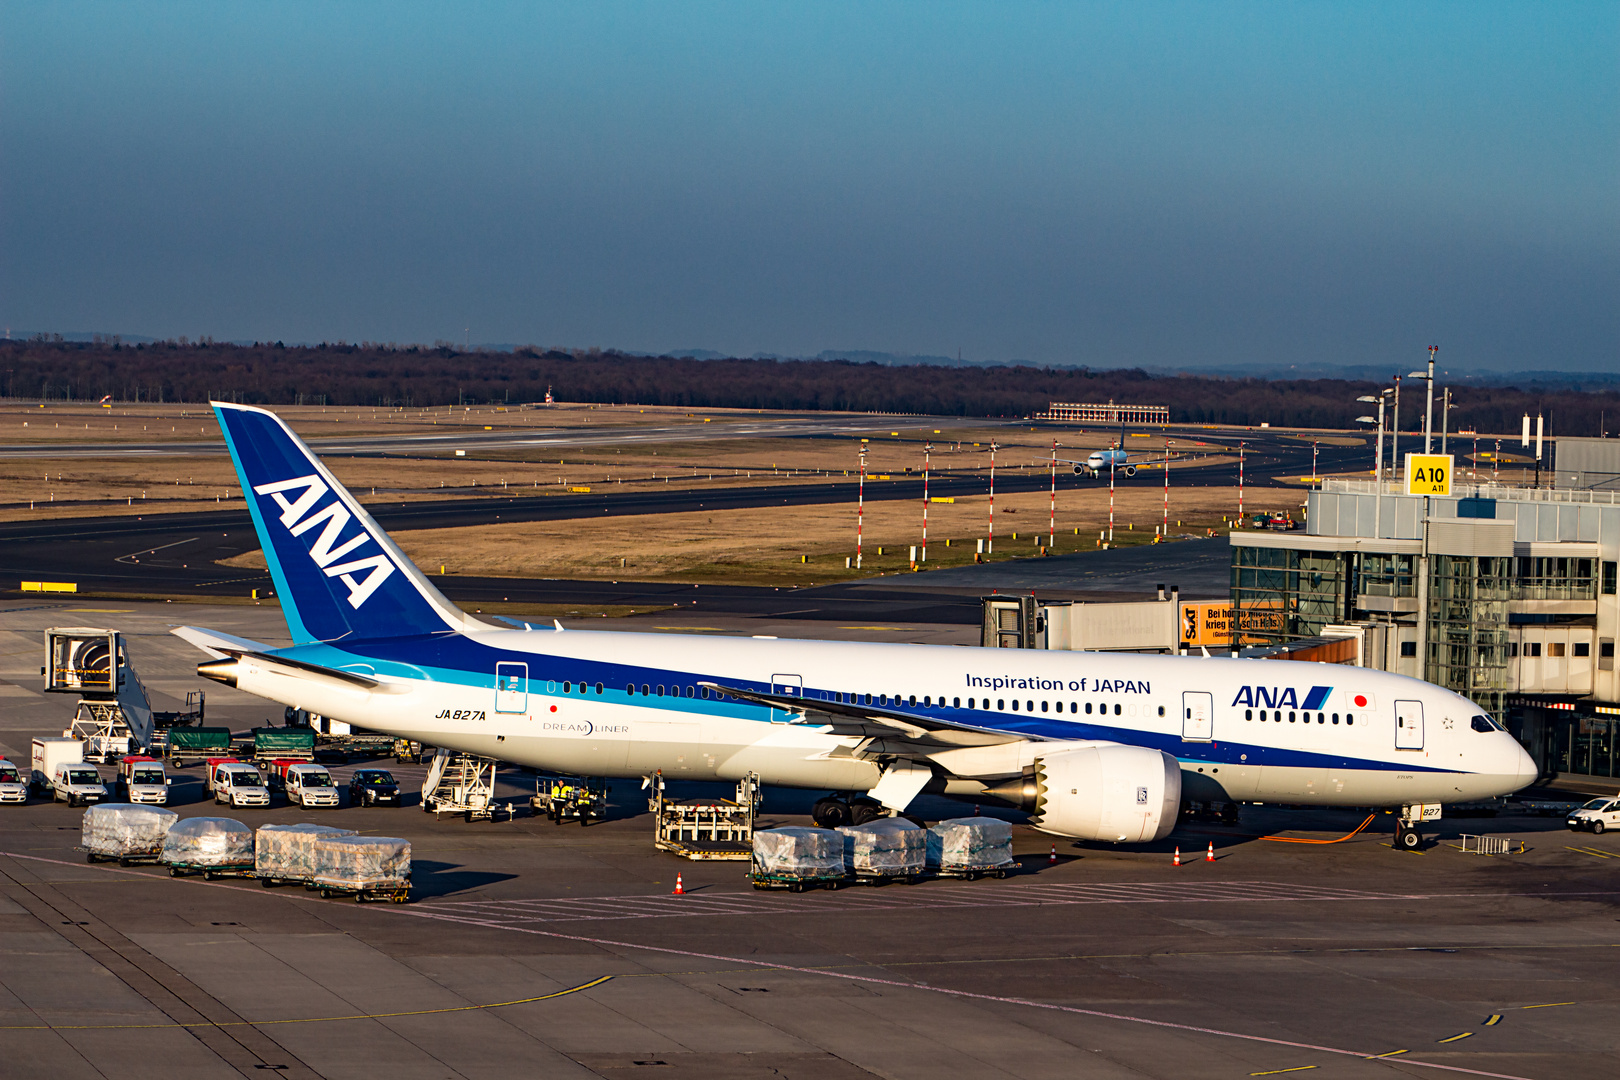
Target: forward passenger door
{"x":1197,"y":716}
{"x":1409,"y":725}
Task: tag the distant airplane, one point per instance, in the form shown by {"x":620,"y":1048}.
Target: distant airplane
{"x":1097,"y":747}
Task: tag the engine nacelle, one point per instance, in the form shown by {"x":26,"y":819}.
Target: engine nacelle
{"x":1117,"y":794}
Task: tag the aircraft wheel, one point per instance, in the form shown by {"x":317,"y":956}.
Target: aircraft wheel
{"x":1408,"y":839}
{"x":830,"y":813}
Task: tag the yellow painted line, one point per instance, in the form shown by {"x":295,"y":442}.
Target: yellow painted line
{"x":1550,"y":1005}
{"x":1454,"y":1038}
{"x":1392,"y":1053}
{"x":1496,"y":1018}
{"x":874,"y":628}
{"x":309,"y":1019}
{"x":101,"y":610}
{"x":1274,"y":1072}
{"x":1594,"y":852}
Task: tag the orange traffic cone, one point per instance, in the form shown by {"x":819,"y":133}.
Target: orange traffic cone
{"x":1177,"y":860}
{"x":1209,"y":856}
{"x":1053,"y":859}
{"x":678,"y":890}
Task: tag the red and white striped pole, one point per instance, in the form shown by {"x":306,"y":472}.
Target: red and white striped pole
{"x":1240,"y":484}
{"x":860,"y":506}
{"x":1166,"y":528}
{"x":928,"y":449}
{"x":1051,"y":528}
{"x":990,"y":544}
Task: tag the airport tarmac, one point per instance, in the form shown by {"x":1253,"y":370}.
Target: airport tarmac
{"x":536,"y":949}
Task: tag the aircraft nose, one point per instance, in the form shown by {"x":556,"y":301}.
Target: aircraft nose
{"x":1525,"y":766}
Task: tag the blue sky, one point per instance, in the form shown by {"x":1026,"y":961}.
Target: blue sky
{"x":1176,"y":185}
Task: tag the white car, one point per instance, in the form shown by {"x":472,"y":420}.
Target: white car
{"x":12,"y":787}
{"x":1596,"y":816}
{"x":77,"y":784}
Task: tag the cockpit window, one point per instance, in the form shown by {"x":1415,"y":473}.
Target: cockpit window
{"x":1485,"y":723}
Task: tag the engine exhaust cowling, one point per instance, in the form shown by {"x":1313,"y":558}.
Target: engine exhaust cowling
{"x":1117,"y":794}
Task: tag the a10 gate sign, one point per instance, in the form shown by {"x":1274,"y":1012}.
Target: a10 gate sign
{"x":1428,"y":474}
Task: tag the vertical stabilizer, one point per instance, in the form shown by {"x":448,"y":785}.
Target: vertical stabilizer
{"x":338,"y":575}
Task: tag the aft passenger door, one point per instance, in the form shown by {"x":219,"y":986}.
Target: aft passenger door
{"x":1197,"y":717}
{"x":1409,"y":725}
{"x":511,"y":688}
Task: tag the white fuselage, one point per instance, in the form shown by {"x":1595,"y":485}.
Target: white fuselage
{"x":1240,"y":728}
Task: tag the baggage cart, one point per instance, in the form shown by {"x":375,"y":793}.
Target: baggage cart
{"x":286,"y":854}
{"x":971,"y":848}
{"x":210,"y":846}
{"x":796,"y":858}
{"x":364,"y":867}
{"x":570,"y":799}
{"x":125,"y":832}
{"x":885,"y":850}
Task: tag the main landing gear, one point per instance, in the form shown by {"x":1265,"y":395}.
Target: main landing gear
{"x":833,"y":811}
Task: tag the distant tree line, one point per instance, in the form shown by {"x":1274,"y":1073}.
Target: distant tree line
{"x":418,"y":376}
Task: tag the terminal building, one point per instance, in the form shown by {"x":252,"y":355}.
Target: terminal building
{"x":1507,"y":595}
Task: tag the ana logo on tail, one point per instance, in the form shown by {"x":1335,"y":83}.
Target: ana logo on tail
{"x":297,"y":518}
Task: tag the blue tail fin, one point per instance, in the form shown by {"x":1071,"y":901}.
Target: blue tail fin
{"x":337,"y":573}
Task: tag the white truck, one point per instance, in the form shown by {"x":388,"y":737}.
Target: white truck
{"x":12,"y":788}
{"x":237,"y":783}
{"x":50,"y":757}
{"x":305,"y":784}
{"x":142,"y":780}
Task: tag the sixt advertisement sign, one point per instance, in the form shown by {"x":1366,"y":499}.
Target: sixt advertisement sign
{"x":1282,"y":697}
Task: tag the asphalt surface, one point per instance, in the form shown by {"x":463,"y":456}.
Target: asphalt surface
{"x":536,"y":949}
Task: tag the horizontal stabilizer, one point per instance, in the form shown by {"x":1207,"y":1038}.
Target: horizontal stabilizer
{"x":217,"y":644}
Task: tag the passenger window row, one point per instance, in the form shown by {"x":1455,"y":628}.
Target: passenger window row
{"x":1321,"y":718}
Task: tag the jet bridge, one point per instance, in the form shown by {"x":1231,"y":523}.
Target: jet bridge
{"x":114,"y":716}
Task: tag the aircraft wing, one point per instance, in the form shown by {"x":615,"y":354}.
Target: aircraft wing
{"x":890,"y":726}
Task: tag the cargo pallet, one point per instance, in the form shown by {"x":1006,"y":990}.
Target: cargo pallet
{"x":209,"y":873}
{"x":765,"y":879}
{"x":393,"y":893}
{"x":973,"y":873}
{"x":128,"y":858}
{"x":709,"y":830}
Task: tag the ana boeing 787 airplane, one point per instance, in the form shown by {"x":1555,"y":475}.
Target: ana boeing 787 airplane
{"x":1095,"y":746}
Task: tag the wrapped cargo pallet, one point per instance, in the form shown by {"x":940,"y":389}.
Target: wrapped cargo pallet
{"x":208,"y":844}
{"x":287,"y":852}
{"x":887,"y":847}
{"x":125,"y":831}
{"x":970,"y":844}
{"x":363,"y":865}
{"x":796,"y":852}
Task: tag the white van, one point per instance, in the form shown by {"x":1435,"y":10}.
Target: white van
{"x":309,"y":785}
{"x":12,"y":787}
{"x":1596,"y":816}
{"x":77,"y":784}
{"x":238,"y":784}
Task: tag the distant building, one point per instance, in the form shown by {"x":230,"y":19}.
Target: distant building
{"x":1106,"y":414}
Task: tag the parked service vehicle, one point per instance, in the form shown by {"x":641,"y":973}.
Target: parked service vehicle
{"x":1597,"y":816}
{"x":189,"y":745}
{"x":373,"y":787}
{"x":12,"y":788}
{"x":142,"y":780}
{"x":305,"y":784}
{"x":77,"y":785}
{"x":237,"y":783}
{"x":49,"y":755}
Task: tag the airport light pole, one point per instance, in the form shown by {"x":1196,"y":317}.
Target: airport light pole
{"x":1313,"y":461}
{"x":1378,"y":456}
{"x":1110,"y":500}
{"x":1428,"y":409}
{"x":1394,"y":435}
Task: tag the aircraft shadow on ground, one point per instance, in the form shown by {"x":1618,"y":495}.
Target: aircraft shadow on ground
{"x":438,"y":879}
